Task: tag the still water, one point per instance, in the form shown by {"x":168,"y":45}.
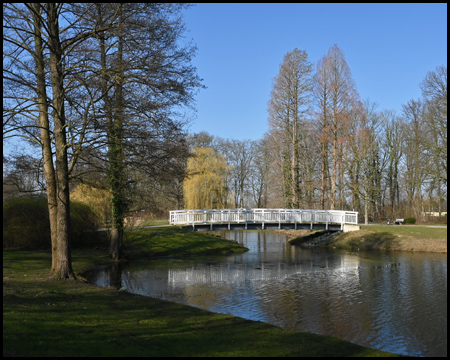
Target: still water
{"x":393,"y":301}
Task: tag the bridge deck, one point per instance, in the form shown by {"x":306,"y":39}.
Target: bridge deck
{"x":248,"y":219}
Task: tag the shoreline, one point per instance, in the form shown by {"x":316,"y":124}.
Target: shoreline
{"x":412,"y":238}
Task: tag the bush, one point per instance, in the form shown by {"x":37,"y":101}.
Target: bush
{"x":26,"y":224}
{"x":410,"y":220}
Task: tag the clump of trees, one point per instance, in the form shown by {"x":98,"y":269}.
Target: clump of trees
{"x":98,"y":88}
{"x":328,"y":149}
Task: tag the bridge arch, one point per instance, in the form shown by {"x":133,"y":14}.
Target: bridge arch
{"x":247,"y":219}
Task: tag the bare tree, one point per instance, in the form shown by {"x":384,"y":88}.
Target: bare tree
{"x":259,"y":176}
{"x":239,"y":154}
{"x":392,"y":145}
{"x":434,"y":93}
{"x":415,"y":161}
{"x":22,"y":175}
{"x":288,"y":107}
{"x":336,"y":94}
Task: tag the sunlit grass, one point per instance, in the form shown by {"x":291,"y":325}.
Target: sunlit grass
{"x":154,"y":223}
{"x":394,"y":237}
{"x":166,"y":241}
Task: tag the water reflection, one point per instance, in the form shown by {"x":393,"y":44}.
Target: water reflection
{"x":392,"y":301}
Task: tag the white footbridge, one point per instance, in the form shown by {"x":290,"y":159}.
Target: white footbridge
{"x":265,"y":219}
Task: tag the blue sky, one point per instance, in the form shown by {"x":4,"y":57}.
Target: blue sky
{"x":388,"y":47}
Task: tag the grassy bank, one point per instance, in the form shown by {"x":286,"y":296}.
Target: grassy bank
{"x":44,"y":317}
{"x":174,"y":241}
{"x":389,"y":237}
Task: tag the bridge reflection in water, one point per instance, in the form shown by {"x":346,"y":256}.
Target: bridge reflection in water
{"x":265,"y":219}
{"x":232,"y":273}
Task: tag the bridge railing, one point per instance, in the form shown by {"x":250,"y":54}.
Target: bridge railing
{"x":237,"y":216}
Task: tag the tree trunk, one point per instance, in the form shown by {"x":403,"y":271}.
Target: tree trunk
{"x":62,"y":267}
{"x":117,"y":170}
{"x":294,"y":166}
{"x":333,"y":175}
{"x":323,"y":178}
{"x":366,"y":210}
{"x":49,"y":171}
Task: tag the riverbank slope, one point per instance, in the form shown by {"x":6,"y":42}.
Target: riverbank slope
{"x":45,"y":317}
{"x":421,"y":238}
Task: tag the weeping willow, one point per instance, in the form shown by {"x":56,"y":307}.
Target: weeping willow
{"x":97,"y":199}
{"x":205,"y":186}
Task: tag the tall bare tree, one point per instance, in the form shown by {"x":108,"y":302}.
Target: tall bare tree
{"x":392,"y":145}
{"x":239,"y":154}
{"x":259,"y":176}
{"x":336,"y":94}
{"x":434,"y":93}
{"x":415,"y":161}
{"x":288,"y":107}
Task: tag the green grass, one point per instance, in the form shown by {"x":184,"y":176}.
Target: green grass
{"x":45,"y":317}
{"x":154,"y":223}
{"x":168,"y":241}
{"x":423,"y":231}
{"x":394,"y":237}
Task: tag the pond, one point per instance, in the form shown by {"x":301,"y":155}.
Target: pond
{"x":392,"y":301}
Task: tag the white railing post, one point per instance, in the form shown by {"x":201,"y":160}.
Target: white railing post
{"x":211,"y":221}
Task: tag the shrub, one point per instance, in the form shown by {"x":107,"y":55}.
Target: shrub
{"x":410,"y":220}
{"x":26,"y":224}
